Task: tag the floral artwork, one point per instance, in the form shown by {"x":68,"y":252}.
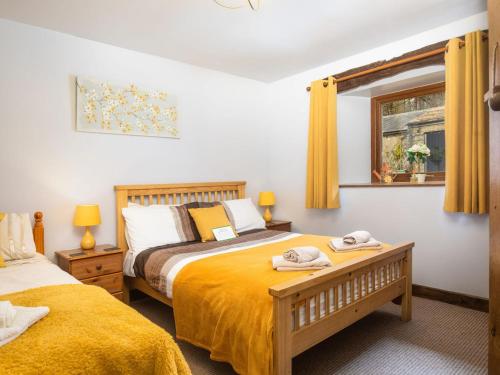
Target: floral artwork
{"x":106,"y":108}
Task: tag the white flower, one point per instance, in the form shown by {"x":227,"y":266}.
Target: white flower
{"x":420,"y":148}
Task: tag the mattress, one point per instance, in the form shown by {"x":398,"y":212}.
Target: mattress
{"x":30,"y":273}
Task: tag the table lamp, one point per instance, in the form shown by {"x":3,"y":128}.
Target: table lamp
{"x":267,"y":198}
{"x":87,"y":215}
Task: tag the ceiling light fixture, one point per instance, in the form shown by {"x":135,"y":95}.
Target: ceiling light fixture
{"x":254,"y":4}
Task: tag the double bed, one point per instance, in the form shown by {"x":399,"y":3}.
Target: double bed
{"x":87,"y":331}
{"x":227,"y":298}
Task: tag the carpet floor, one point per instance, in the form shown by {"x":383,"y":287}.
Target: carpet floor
{"x":441,"y":339}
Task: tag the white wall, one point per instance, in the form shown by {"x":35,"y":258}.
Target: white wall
{"x":227,"y":133}
{"x":46,"y":165}
{"x":353,"y":120}
{"x":451,"y":250}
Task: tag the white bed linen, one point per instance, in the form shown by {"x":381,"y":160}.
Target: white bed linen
{"x":128,"y":263}
{"x":30,"y":273}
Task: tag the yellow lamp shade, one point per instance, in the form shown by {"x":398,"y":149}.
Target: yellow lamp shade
{"x":267,"y":198}
{"x":87,"y":215}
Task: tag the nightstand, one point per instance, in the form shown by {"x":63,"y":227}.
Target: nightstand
{"x":285,"y":226}
{"x":95,"y":267}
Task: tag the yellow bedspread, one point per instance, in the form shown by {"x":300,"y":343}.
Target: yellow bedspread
{"x":222,"y":303}
{"x":88,"y":331}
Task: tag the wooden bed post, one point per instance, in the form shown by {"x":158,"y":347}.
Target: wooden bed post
{"x":126,"y":291}
{"x":121,"y":201}
{"x":406,"y":300}
{"x":282,"y":340}
{"x":121,"y":241}
{"x":38,"y":233}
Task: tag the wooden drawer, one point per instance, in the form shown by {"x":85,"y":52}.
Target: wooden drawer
{"x":112,"y":283}
{"x":90,"y":267}
{"x":284,"y":227}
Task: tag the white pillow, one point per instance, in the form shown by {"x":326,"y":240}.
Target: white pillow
{"x":16,"y":237}
{"x":244,"y":215}
{"x":149,"y":227}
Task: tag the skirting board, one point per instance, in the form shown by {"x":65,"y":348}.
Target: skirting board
{"x":453,"y":298}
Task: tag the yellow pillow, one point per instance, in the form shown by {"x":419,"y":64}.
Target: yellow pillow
{"x":209,"y":218}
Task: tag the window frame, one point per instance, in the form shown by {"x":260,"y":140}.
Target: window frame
{"x":376,"y":127}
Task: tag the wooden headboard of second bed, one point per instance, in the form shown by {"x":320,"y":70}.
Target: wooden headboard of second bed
{"x":171,"y":194}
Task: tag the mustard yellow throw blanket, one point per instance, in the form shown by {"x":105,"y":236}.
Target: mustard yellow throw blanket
{"x":88,"y":331}
{"x":222,"y":303}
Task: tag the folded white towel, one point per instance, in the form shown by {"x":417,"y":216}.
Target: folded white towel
{"x":357,"y":237}
{"x":25,"y":318}
{"x":280,"y":264}
{"x":7,"y":314}
{"x":338,"y":245}
{"x":301,"y":254}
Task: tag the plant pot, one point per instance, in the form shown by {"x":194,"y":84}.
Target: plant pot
{"x":420,"y":178}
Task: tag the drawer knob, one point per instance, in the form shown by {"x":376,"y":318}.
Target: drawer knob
{"x":98,"y":267}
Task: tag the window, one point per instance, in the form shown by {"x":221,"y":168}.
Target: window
{"x":405,"y":118}
{"x":435,"y":141}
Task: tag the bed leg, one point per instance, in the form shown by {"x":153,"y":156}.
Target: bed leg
{"x":282,"y":336}
{"x":126,"y":291}
{"x":406,"y":297}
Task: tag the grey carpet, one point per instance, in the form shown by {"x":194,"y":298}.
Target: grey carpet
{"x":441,"y":339}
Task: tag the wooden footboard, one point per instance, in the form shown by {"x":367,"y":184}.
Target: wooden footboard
{"x":312,"y":308}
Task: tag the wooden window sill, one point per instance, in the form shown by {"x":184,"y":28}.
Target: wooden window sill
{"x":394,"y":184}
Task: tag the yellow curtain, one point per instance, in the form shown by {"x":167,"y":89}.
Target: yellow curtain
{"x":322,"y":190}
{"x":466,"y":125}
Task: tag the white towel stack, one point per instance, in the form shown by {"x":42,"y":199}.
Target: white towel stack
{"x":301,"y":259}
{"x":358,"y":240}
{"x":301,"y":254}
{"x":18,"y":319}
{"x":357,"y":237}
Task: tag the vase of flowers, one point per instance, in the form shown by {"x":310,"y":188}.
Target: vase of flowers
{"x":416,"y":156}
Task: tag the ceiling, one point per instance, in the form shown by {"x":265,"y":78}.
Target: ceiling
{"x":283,"y":38}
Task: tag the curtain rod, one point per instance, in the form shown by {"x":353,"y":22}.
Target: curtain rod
{"x":406,"y":60}
{"x":387,"y":65}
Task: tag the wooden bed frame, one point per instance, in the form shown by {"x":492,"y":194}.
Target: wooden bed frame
{"x":290,"y":298}
{"x":38,"y":233}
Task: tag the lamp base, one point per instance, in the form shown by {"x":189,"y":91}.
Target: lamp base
{"x":267,"y":215}
{"x":88,"y":241}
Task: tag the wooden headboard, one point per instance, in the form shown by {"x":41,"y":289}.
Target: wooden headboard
{"x":38,"y":233}
{"x":171,"y":194}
